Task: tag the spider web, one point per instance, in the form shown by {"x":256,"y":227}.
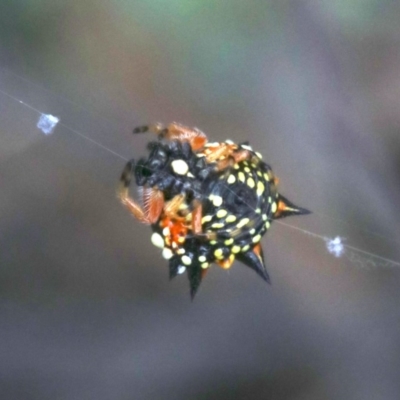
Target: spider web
{"x":335,"y":245}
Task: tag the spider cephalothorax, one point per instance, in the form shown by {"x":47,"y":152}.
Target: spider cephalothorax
{"x":206,"y":202}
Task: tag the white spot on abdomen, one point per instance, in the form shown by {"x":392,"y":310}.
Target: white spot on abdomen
{"x":157,"y":240}
{"x":180,"y":167}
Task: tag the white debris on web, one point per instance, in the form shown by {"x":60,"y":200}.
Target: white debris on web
{"x":47,"y":123}
{"x":335,"y":246}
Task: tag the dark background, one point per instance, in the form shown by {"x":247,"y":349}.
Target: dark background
{"x":86,"y":309}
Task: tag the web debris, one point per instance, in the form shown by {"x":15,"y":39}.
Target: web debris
{"x":47,"y":123}
{"x":335,"y":246}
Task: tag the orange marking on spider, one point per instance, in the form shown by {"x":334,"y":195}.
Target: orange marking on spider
{"x":175,"y":131}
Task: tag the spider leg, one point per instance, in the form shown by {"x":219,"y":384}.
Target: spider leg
{"x":241,"y":155}
{"x":153,"y":199}
{"x":234,"y":158}
{"x":175,"y":131}
{"x":126,"y":177}
{"x":172,"y":207}
{"x":155,"y":128}
{"x":226,"y":156}
{"x":215,"y":153}
{"x":197,"y":215}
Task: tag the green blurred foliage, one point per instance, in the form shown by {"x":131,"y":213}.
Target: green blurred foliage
{"x":361,"y":15}
{"x":213,"y":41}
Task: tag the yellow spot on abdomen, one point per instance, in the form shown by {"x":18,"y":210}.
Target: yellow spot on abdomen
{"x":231,"y":218}
{"x":186,"y":260}
{"x":235,"y":249}
{"x":157,"y":240}
{"x":222,"y":213}
{"x":217,"y":201}
{"x":206,"y":218}
{"x":250,"y":183}
{"x":260,"y":188}
{"x":219,"y":254}
{"x":231,"y":179}
{"x":256,"y":238}
{"x":242,"y":222}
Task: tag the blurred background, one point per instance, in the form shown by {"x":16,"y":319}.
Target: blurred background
{"x":86,"y":308}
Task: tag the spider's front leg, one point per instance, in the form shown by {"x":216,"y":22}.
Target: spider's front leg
{"x":232,"y":158}
{"x":152,"y":199}
{"x":226,"y":155}
{"x":172,"y":208}
{"x":175,"y":131}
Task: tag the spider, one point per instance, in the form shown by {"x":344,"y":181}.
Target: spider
{"x":206,"y":202}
